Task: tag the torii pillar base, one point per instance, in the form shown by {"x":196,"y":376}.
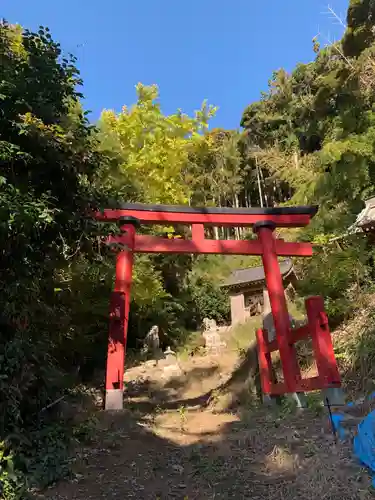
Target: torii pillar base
{"x":114,"y":399}
{"x":298,"y":399}
{"x":335,"y":397}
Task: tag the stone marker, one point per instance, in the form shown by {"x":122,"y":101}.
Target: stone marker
{"x":213,"y":341}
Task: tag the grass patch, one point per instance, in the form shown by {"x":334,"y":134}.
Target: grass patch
{"x":354,"y":345}
{"x":190,"y":344}
{"x":243,"y":335}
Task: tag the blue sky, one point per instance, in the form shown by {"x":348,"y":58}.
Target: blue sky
{"x":222,"y":51}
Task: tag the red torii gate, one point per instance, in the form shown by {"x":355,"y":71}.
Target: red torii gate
{"x":263,"y":221}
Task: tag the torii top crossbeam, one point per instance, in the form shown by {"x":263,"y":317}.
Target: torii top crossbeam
{"x":211,"y":216}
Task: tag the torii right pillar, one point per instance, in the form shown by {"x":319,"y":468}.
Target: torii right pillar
{"x":280,"y":314}
{"x":275,"y":288}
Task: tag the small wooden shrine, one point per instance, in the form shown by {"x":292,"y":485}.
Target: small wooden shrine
{"x":246,"y":290}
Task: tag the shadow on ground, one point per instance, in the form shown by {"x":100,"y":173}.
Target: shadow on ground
{"x":168,"y":446}
{"x":257,"y":459}
{"x":243,"y":386}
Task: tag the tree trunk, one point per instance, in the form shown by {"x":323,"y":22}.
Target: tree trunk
{"x":259,"y":186}
{"x":237,"y":230}
{"x":264,"y":187}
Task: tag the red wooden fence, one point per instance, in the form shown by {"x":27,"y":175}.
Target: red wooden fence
{"x":316,"y":329}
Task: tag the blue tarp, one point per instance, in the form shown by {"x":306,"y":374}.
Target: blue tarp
{"x":337,"y":419}
{"x":364,"y":441}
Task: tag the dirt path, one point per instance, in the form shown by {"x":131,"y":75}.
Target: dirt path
{"x":170,"y":444}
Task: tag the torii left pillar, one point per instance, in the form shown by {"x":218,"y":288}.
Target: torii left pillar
{"x":119,"y":318}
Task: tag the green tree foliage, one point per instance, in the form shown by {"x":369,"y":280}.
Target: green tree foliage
{"x":214,"y":169}
{"x":319,"y":126}
{"x":360,"y":33}
{"x":315,"y":132}
{"x":49,"y":165}
{"x":157,"y":158}
{"x":153,"y":148}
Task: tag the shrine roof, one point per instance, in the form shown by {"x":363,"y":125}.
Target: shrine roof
{"x":254,"y":275}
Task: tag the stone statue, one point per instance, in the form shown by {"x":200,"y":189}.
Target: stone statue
{"x":151,"y":343}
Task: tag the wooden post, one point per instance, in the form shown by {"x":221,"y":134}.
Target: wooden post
{"x":322,"y":342}
{"x":265,"y":363}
